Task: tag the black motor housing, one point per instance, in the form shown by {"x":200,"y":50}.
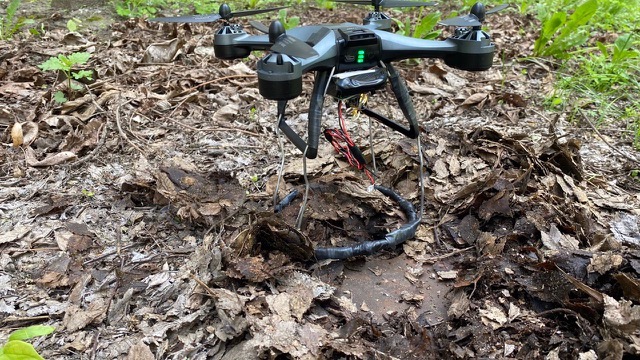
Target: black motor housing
{"x":279,"y":77}
{"x":470,"y":62}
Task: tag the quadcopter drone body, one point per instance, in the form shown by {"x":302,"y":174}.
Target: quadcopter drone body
{"x":348,"y":60}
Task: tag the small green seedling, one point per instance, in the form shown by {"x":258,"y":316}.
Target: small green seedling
{"x":74,"y":24}
{"x":288,"y":21}
{"x":66,"y":64}
{"x":18,"y":349}
{"x":10,"y":23}
{"x":88,"y":193}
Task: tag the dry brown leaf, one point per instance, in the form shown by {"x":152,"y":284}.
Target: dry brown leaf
{"x":493,"y":316}
{"x":140,"y":351}
{"x":630,"y":286}
{"x":30,"y":132}
{"x":17,"y":233}
{"x":75,"y":318}
{"x":513,"y":99}
{"x":621,"y":315}
{"x":475,"y":99}
{"x":51,"y":160}
{"x":163,"y":52}
{"x":16,"y":135}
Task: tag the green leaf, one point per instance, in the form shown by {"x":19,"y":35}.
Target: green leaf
{"x":52,"y":64}
{"x":59,"y":97}
{"x":83,"y":74}
{"x":549,"y":28}
{"x":79,"y":58}
{"x":580,"y":17}
{"x":31,"y":332}
{"x":19,"y":350}
{"x":71,"y":25}
{"x":603,"y":49}
{"x":12,"y":9}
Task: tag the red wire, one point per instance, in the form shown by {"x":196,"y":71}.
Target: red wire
{"x":338,"y":137}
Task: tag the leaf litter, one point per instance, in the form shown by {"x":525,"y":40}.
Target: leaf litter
{"x":137,"y":219}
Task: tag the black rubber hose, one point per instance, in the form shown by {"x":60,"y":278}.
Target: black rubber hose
{"x":286,"y":201}
{"x":391,"y":240}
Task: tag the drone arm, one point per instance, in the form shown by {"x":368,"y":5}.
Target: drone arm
{"x":397,"y":47}
{"x":464,"y":54}
{"x":401,"y":92}
{"x":238,"y":45}
{"x":310,"y":147}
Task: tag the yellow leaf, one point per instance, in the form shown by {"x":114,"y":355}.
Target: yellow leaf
{"x":16,"y":134}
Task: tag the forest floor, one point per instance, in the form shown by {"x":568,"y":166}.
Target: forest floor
{"x":136,"y":217}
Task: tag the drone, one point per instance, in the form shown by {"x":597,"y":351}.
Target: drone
{"x":349,"y":61}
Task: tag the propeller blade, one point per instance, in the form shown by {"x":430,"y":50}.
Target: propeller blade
{"x":497,"y":8}
{"x":469,"y":20}
{"x":259,"y":26}
{"x":188,"y":19}
{"x":402,"y":3}
{"x":288,"y":45}
{"x":256,"y":11}
{"x":389,"y":3}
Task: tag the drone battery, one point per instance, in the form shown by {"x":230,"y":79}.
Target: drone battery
{"x":347,"y":84}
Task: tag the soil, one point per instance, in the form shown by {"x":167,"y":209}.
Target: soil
{"x":137,"y":217}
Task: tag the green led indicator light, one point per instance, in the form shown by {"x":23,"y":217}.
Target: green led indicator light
{"x":360,"y":56}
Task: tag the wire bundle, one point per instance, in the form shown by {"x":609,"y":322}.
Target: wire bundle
{"x":344,"y":145}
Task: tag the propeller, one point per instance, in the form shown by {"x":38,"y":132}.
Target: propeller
{"x":259,"y":26}
{"x":287,"y":44}
{"x":224,"y":13}
{"x":388,"y":3}
{"x":475,"y":17}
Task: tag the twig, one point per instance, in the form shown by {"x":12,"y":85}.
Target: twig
{"x":434,"y":259}
{"x":113,"y":252}
{"x":120,"y":131}
{"x":218,"y":80}
{"x":94,"y":345}
{"x":187,"y":97}
{"x":201,"y":283}
{"x":625,"y":155}
{"x":30,"y":318}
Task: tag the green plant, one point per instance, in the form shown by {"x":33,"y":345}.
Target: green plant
{"x":288,"y":22}
{"x":253,"y":4}
{"x":88,"y":193}
{"x":603,"y":82}
{"x":138,"y":8}
{"x":66,"y":64}
{"x":205,"y":6}
{"x":10,"y":24}
{"x":326,"y":4}
{"x":561,"y":33}
{"x":425,"y":29}
{"x":18,"y":349}
{"x":73,"y":24}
